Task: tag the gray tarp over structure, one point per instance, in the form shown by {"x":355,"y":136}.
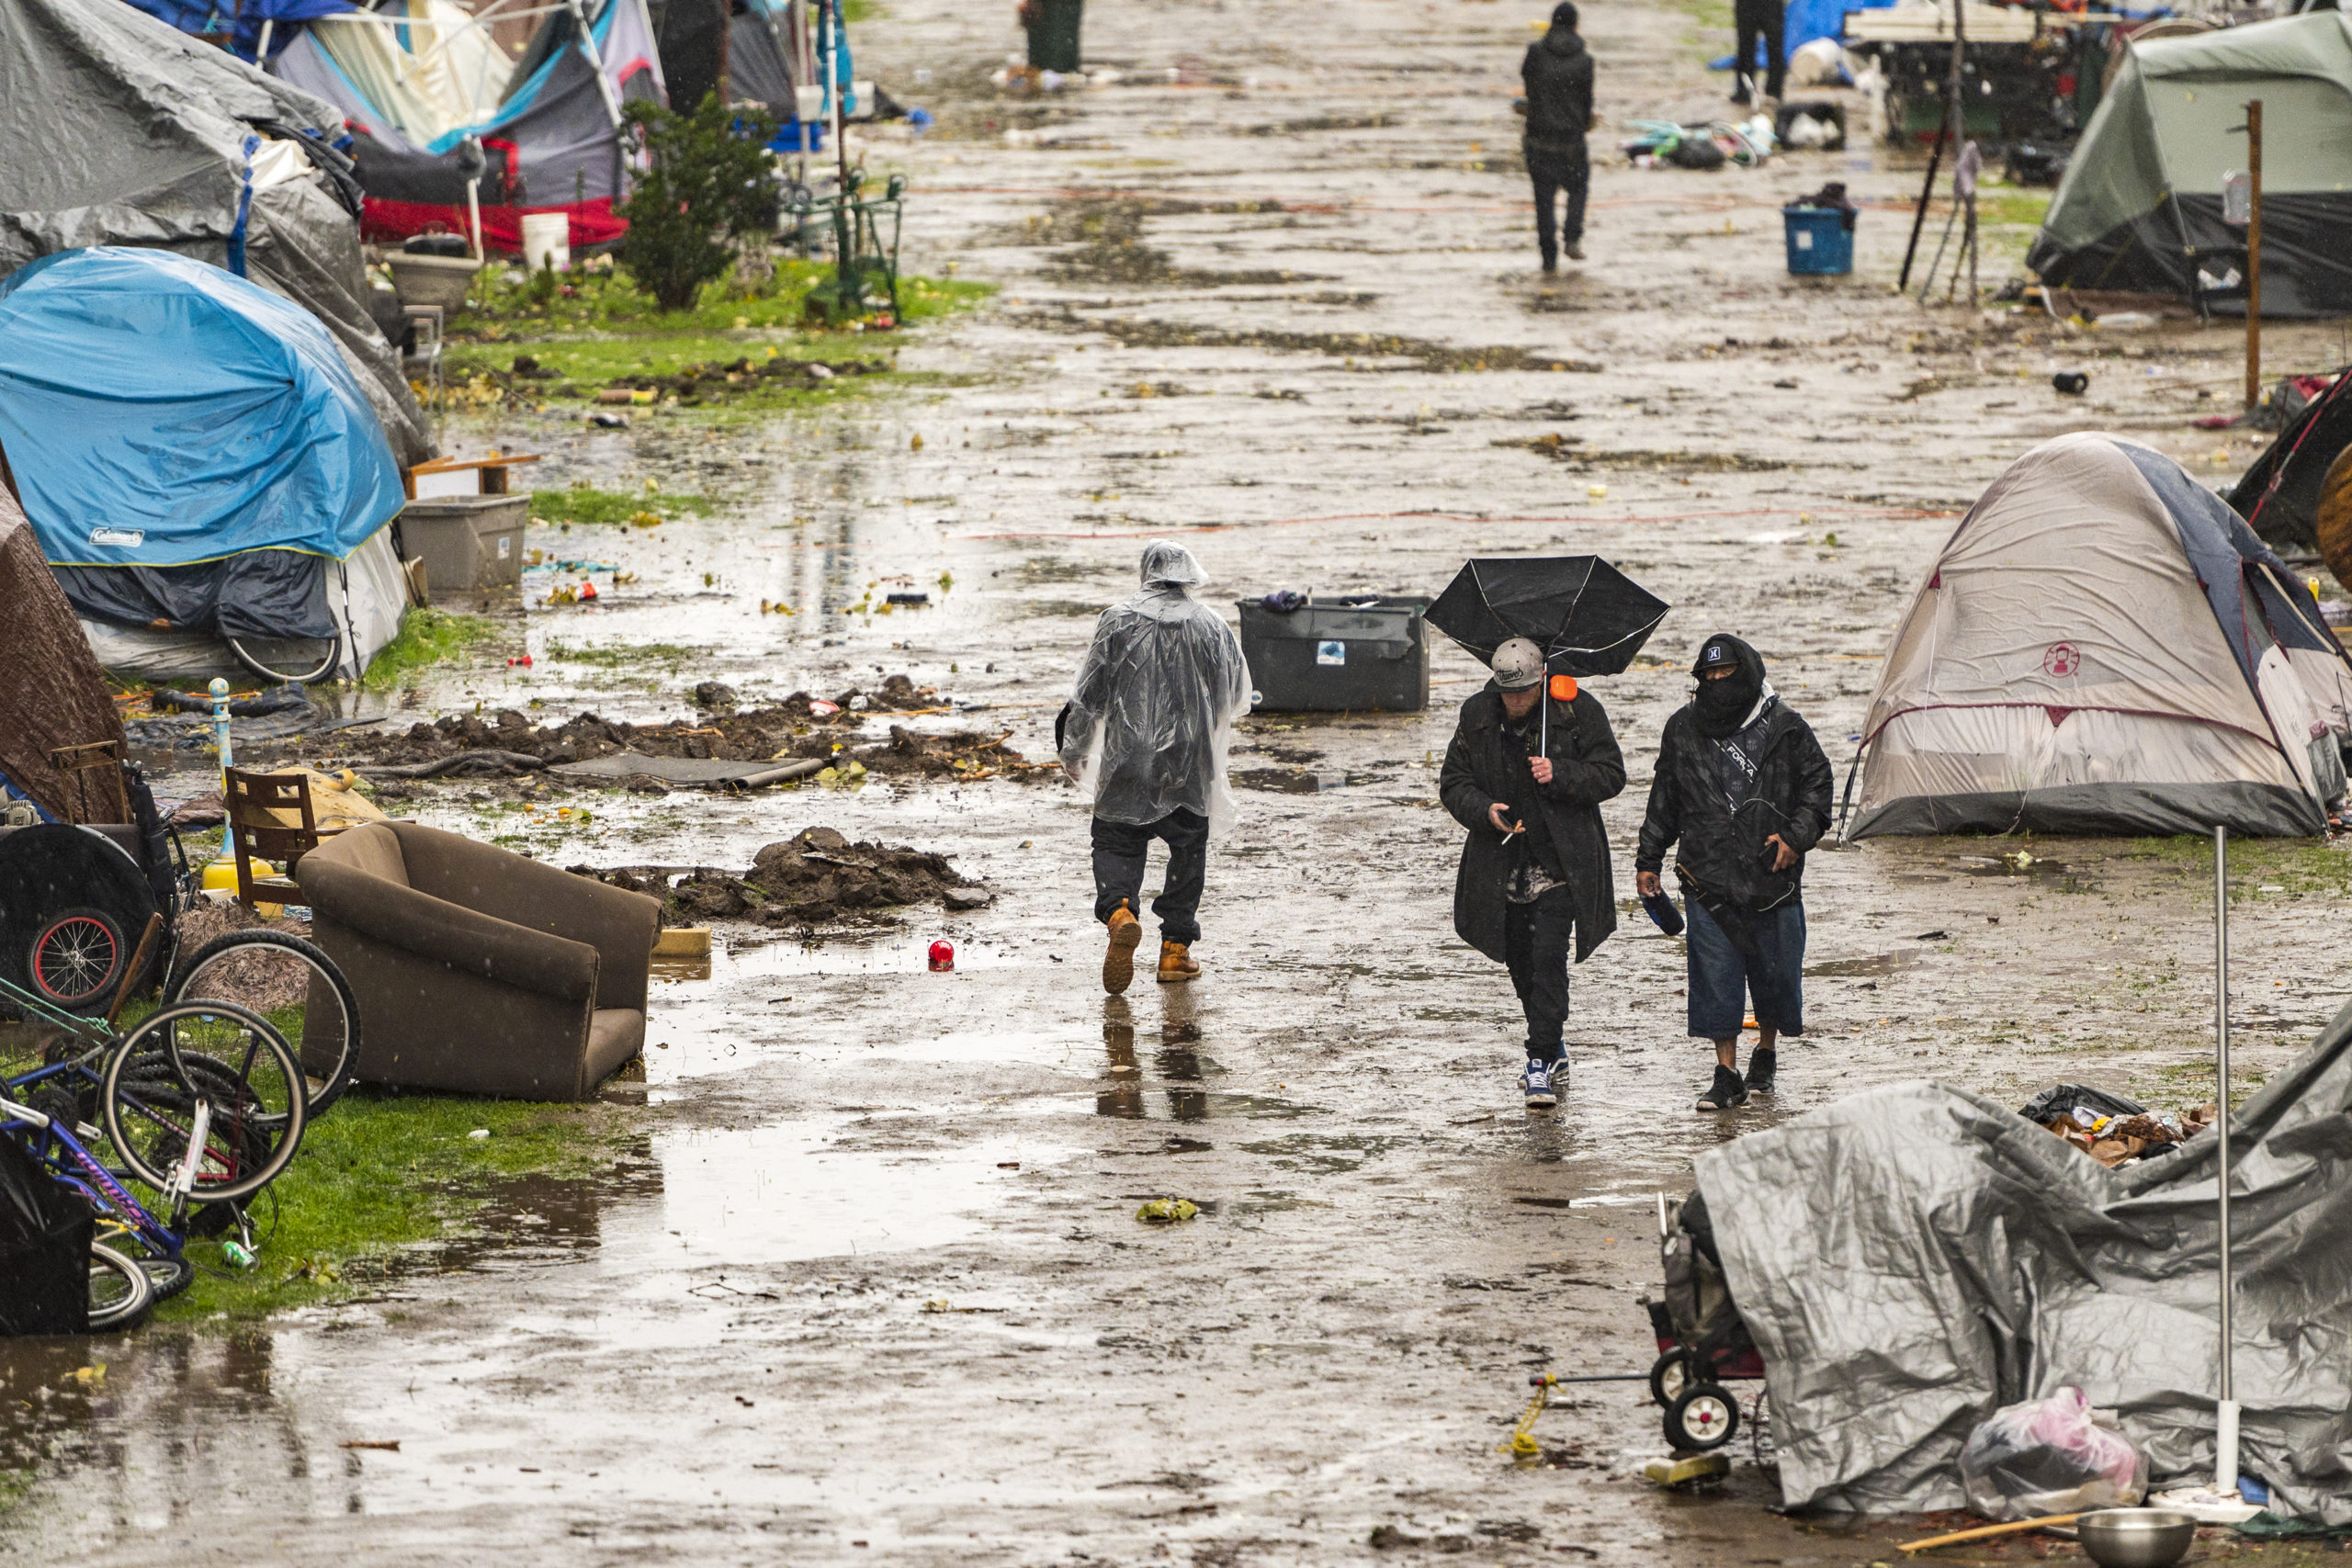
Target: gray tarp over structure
{"x":1913,"y":1257}
{"x":129,"y":132}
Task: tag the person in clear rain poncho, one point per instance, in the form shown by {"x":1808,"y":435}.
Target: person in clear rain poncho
{"x":1146,"y":733}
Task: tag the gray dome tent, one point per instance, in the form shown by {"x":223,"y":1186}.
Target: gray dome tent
{"x":2104,"y":647}
{"x":2140,"y":208}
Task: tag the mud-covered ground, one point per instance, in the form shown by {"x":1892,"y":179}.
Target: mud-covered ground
{"x":873,"y":1288}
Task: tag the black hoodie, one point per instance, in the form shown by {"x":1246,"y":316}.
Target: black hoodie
{"x":1558,"y":75}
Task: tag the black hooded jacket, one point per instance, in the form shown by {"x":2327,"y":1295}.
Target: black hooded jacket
{"x":1558,"y":76}
{"x":1723,"y":857}
{"x":1480,"y":769}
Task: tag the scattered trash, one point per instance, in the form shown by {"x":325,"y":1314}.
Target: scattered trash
{"x":236,"y":1254}
{"x":908,"y":599}
{"x":391,"y":1447}
{"x":525,"y":660}
{"x":2050,"y":1456}
{"x":1167,"y":1210}
{"x":609,"y":421}
{"x":2073,"y":383}
{"x":89,"y":1377}
{"x":943,"y":956}
{"x":714,"y":695}
{"x":479,"y":1133}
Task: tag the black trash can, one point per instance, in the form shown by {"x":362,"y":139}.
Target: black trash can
{"x":1053,"y":34}
{"x":1372,"y":655}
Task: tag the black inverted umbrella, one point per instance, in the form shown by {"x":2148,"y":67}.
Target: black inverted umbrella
{"x":1587,"y":617}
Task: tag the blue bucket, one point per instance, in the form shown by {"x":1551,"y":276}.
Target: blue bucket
{"x":1819,"y":242}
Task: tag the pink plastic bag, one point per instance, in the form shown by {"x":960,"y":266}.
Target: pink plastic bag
{"x":2050,"y":1456}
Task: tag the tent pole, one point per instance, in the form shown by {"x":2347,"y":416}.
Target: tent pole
{"x":2254,"y":255}
{"x":596,"y":58}
{"x":2225,"y":1409}
{"x":1954,"y":121}
{"x":261,"y":49}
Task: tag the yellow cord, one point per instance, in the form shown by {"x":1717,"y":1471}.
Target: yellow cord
{"x":1522,"y":1444}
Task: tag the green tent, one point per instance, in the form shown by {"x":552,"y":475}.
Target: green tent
{"x":2140,"y":208}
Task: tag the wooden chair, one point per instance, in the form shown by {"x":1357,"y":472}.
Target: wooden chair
{"x":76,"y":763}
{"x":256,"y":806}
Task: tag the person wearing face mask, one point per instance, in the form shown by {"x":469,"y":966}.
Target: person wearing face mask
{"x":1741,"y":792}
{"x":1530,"y":762}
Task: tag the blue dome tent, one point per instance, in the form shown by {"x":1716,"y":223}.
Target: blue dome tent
{"x":199,"y":463}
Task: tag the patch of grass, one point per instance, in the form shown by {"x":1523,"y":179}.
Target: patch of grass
{"x":378,"y":1173}
{"x":427,"y":637}
{"x":615,"y":655}
{"x":608,"y":301}
{"x":2002,"y":204}
{"x":584,"y":503}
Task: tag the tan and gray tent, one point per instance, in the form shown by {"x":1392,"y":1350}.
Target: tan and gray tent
{"x":2104,"y":647}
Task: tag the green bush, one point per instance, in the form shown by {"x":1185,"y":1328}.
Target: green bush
{"x":709,"y":181}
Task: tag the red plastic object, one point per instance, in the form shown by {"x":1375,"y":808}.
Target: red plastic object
{"x":587,"y":589}
{"x":943,"y":956}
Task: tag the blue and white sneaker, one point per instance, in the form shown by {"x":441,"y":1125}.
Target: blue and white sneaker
{"x":1537,"y":1081}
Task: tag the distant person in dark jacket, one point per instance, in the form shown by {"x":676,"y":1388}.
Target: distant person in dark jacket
{"x":1742,"y":786}
{"x":1558,"y":76}
{"x":1767,"y":20}
{"x":1535,"y":868}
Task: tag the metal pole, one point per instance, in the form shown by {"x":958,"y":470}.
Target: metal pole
{"x":218,"y":691}
{"x":2254,"y":256}
{"x":2225,"y":1409}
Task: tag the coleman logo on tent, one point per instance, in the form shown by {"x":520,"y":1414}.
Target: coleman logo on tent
{"x":2063,"y":659}
{"x":129,"y":538}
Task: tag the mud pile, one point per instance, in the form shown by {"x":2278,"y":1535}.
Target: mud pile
{"x":815,"y":878}
{"x":263,"y":979}
{"x":800,"y":726}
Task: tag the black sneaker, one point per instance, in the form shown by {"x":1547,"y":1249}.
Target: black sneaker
{"x":1728,"y":1090}
{"x":1761,"y":1064}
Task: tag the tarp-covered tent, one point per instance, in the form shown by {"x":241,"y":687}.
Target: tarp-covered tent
{"x":1913,"y":1257}
{"x":2280,"y":493}
{"x":413,"y":89}
{"x":51,"y":691}
{"x":2140,"y":208}
{"x":127,"y":133}
{"x":195,"y":453}
{"x":2104,"y":647}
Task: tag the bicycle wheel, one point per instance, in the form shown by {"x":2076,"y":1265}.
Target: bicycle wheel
{"x":204,"y":1135}
{"x":76,"y":957}
{"x":296,"y":658}
{"x":293,"y":984}
{"x":120,"y":1291}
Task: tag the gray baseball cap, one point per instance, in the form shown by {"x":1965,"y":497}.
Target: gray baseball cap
{"x":1518,"y":665}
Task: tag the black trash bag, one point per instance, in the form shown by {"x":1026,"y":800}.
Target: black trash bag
{"x":44,"y":1249}
{"x":1697,"y":150}
{"x":2060,"y":1100}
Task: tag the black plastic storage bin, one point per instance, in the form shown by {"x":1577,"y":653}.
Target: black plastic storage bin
{"x":1372,"y":655}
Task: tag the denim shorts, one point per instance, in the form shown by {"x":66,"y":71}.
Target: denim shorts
{"x":1724,"y":979}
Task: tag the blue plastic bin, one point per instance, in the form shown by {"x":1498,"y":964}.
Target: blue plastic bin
{"x":1819,"y":242}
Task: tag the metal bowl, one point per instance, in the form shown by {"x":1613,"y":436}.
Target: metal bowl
{"x":2136,"y":1538}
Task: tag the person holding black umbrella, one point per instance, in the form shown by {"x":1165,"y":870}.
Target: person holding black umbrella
{"x":1532,"y":760}
{"x":1742,"y":787}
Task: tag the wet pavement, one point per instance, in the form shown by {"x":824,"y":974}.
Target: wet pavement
{"x":872,"y":1287}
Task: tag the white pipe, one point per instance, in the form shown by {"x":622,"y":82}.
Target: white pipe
{"x":2225,"y":1409}
{"x":595,"y":59}
{"x":261,"y":49}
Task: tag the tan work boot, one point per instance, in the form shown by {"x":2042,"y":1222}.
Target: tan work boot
{"x":1176,"y":964}
{"x":1119,"y":959}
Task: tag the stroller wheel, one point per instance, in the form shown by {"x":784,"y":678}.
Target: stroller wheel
{"x":1672,"y":1374}
{"x":1704,"y":1417}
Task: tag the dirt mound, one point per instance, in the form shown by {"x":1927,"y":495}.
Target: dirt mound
{"x":815,"y":878}
{"x":265,"y":980}
{"x":800,"y":726}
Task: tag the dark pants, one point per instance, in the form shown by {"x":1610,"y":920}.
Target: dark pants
{"x":1556,"y":170}
{"x":1119,"y":849}
{"x":1769,"y":18}
{"x":1535,"y":945}
{"x":1052,"y":37}
{"x":1724,"y":979}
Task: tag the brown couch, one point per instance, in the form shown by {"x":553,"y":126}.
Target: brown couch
{"x":477,"y":969}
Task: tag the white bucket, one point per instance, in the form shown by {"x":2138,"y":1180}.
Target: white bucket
{"x":547,"y":241}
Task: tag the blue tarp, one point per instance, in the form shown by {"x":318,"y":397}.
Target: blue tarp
{"x":1807,"y":20}
{"x":158,"y":411}
{"x":241,"y":20}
